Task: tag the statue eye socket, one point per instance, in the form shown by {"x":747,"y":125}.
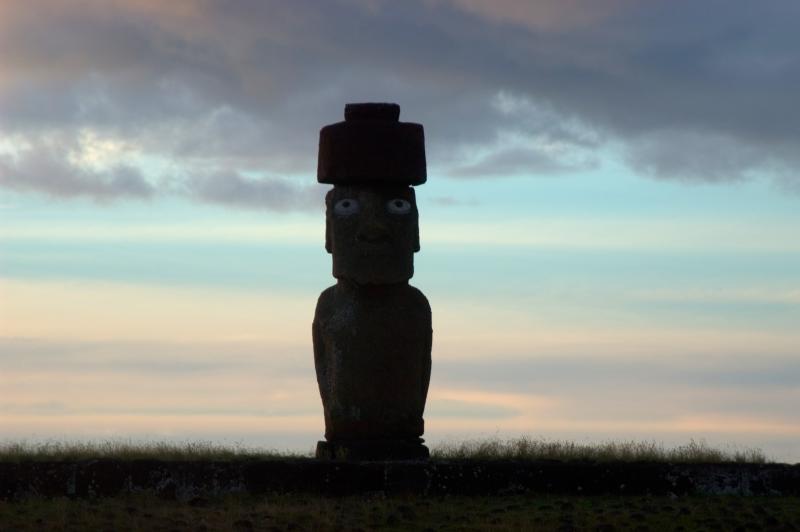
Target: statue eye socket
{"x":398,"y":206}
{"x":345,"y":207}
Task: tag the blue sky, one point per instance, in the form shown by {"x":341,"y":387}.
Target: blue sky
{"x":608,"y":228}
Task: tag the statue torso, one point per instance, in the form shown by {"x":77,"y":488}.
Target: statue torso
{"x":373,"y":347}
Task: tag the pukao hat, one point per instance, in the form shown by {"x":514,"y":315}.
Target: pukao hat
{"x":372,"y":147}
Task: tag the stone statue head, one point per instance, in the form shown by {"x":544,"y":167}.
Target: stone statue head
{"x":372,"y":226}
{"x":372,"y":232}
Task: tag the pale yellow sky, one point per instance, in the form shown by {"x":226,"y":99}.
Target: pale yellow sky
{"x":165,"y":362}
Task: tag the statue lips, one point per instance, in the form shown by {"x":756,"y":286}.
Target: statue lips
{"x":374,"y":233}
{"x":374,"y":243}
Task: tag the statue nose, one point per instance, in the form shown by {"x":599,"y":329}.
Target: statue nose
{"x":373,"y":233}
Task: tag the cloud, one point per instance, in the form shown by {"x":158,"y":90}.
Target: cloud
{"x":689,"y":90}
{"x":452,"y":201}
{"x":48,"y":170}
{"x":740,"y":386}
{"x":158,"y":388}
{"x":66,"y":170}
{"x":543,"y":14}
{"x":518,"y":161}
{"x":238,"y":191}
{"x":689,"y":155}
{"x":549,"y":374}
{"x":532,"y":139}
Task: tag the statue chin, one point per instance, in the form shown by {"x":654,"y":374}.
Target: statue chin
{"x":372,"y":270}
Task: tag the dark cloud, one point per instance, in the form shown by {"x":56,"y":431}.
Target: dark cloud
{"x":708,"y":156}
{"x":693,"y":90}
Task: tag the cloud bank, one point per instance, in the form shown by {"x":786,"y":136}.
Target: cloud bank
{"x":226,"y":99}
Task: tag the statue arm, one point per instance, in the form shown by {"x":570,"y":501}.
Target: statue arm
{"x":319,"y":359}
{"x":427,"y":361}
{"x":427,"y":332}
{"x":320,"y":354}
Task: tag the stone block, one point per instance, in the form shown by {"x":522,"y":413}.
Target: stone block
{"x":371,"y":146}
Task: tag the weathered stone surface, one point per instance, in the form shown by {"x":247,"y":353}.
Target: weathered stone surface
{"x":372,"y":240}
{"x":372,"y":352}
{"x":389,"y":112}
{"x":371,"y":146}
{"x":373,"y":450}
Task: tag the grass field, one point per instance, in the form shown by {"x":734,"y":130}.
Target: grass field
{"x":523,"y":448}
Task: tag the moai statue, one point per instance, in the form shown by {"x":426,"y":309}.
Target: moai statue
{"x":372,"y":331}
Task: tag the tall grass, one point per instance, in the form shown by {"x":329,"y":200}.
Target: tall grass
{"x":526,"y":448}
{"x":130,"y":450}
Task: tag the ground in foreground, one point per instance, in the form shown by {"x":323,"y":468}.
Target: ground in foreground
{"x":148,"y":513}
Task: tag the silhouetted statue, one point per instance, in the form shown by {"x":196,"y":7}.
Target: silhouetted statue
{"x":372,"y":331}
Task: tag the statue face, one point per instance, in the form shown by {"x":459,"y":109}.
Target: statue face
{"x":372,"y":232}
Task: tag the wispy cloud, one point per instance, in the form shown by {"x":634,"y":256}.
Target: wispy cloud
{"x":236,"y":190}
{"x":47,"y":169}
{"x":533,"y":160}
{"x":656,"y":234}
{"x":246,"y":390}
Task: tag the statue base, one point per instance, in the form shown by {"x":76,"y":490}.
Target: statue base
{"x":372,"y":450}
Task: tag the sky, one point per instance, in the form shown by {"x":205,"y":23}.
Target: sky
{"x":608,"y":231}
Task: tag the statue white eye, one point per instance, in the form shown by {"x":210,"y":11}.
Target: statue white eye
{"x":398,"y":206}
{"x":345,"y":207}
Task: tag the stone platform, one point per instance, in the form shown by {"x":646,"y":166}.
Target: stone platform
{"x":186,"y":479}
{"x":372,"y":450}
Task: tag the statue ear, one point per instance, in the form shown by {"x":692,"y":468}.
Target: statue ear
{"x":328,"y":236}
{"x":416,"y":218}
{"x":328,"y":245}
